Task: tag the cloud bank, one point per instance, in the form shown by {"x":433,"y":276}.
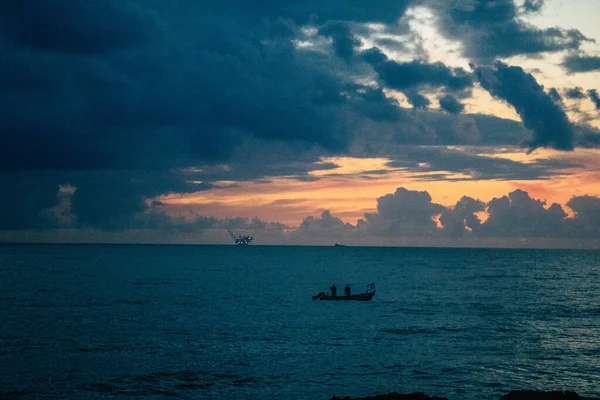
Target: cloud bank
{"x":125,"y":101}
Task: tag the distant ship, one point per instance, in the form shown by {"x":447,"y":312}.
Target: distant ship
{"x":240,"y":240}
{"x":339,"y":245}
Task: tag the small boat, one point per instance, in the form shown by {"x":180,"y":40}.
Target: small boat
{"x":339,"y":245}
{"x":366,"y":296}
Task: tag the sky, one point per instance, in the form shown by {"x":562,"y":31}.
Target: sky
{"x":404,"y":122}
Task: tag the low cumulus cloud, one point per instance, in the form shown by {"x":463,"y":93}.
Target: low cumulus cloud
{"x":324,"y":228}
{"x":412,"y":213}
{"x":402,"y":213}
{"x":462,"y":218}
{"x":409,"y":213}
{"x":518,"y":215}
{"x":586,"y":221}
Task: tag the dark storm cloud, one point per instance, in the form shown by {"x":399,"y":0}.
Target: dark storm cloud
{"x":474,"y":129}
{"x":26,"y":199}
{"x":574,"y":93}
{"x":175,"y":87}
{"x":374,"y":104}
{"x":554,"y":95}
{"x":303,"y":11}
{"x":77,"y":26}
{"x":156,"y":219}
{"x":545,"y":118}
{"x":581,"y":63}
{"x":424,"y":160}
{"x":416,"y":99}
{"x":343,"y":41}
{"x":171,"y":108}
{"x":256,"y":159}
{"x":451,"y":104}
{"x":588,"y":136}
{"x":533,"y":5}
{"x":155,"y":86}
{"x":115,"y":200}
{"x":408,"y":75}
{"x":422,"y":127}
{"x":593,"y":93}
{"x":491,"y":29}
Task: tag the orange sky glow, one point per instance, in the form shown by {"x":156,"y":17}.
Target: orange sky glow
{"x":348,"y":193}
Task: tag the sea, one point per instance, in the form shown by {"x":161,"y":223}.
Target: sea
{"x":227,"y":322}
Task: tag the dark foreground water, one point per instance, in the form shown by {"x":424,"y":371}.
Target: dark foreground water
{"x":222,"y":322}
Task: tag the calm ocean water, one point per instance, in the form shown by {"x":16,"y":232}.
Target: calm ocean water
{"x":222,"y":322}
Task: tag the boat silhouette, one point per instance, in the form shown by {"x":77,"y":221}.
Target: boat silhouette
{"x":366,"y":296}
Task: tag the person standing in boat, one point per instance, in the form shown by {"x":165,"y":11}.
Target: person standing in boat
{"x":333,"y":290}
{"x":347,"y":290}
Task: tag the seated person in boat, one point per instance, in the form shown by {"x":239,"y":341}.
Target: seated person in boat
{"x":347,"y":290}
{"x":333,"y":290}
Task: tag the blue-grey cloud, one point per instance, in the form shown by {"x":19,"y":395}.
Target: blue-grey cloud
{"x":574,"y":93}
{"x":533,"y":5}
{"x":115,"y":200}
{"x":554,"y":95}
{"x":27,"y":199}
{"x":343,"y":41}
{"x":78,"y":27}
{"x":416,"y":99}
{"x":374,"y":104}
{"x":427,"y":159}
{"x":581,"y":63}
{"x":408,"y":75}
{"x":451,"y":104}
{"x":492,"y":29}
{"x":593,"y":94}
{"x":545,"y":118}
